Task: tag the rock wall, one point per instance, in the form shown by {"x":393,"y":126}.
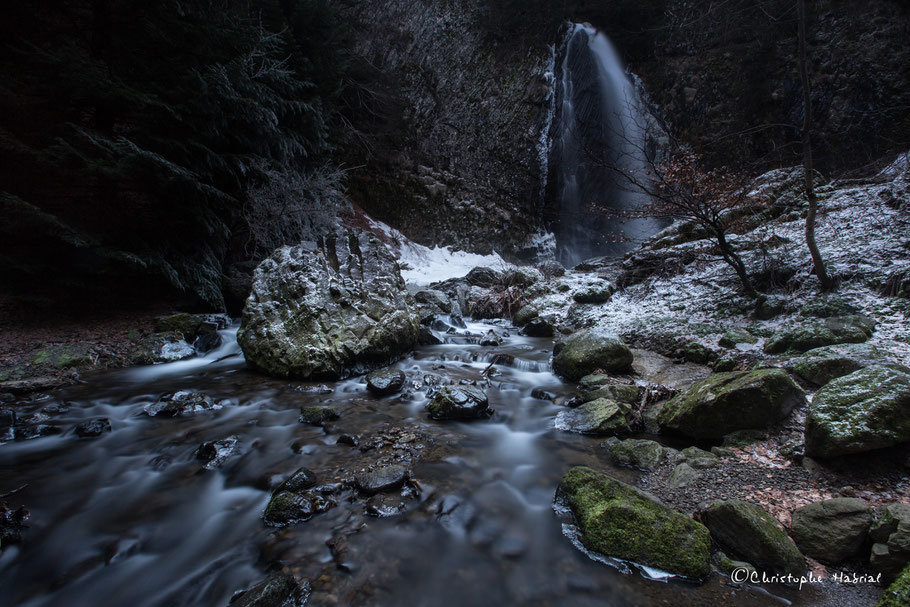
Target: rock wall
{"x":462,"y":164}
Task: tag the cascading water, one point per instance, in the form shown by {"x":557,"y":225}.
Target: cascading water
{"x":601,"y":135}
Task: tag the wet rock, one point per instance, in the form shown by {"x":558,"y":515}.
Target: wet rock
{"x":328,"y":310}
{"x":317,"y":415}
{"x":483,"y":277}
{"x":455,"y":514}
{"x":594,"y":293}
{"x":425,"y":337}
{"x":682,"y":475}
{"x":725,"y":402}
{"x":587,"y":351}
{"x":459,"y":402}
{"x":539,"y":327}
{"x":620,"y":521}
{"x":840,"y":330}
{"x":489,"y":339}
{"x":383,"y":506}
{"x":385,"y":381}
{"x":382,"y":479}
{"x":866,"y":410}
{"x":832,"y":530}
{"x":601,"y":416}
{"x":637,"y":453}
{"x":302,"y":479}
{"x":821,"y":365}
{"x":751,"y":533}
{"x":181,"y":403}
{"x":736,"y":336}
{"x":891,"y":537}
{"x":93,"y":428}
{"x":898,"y":593}
{"x":347,"y":439}
{"x":161,"y":348}
{"x":525,"y":314}
{"x":33,"y":384}
{"x":207,"y":339}
{"x":541,"y":394}
{"x":437,"y":299}
{"x":215,"y":453}
{"x":12,"y":524}
{"x":285,"y":508}
{"x":189,"y":325}
{"x":278,"y":590}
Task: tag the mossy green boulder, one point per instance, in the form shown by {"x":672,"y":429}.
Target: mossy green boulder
{"x":851,"y":329}
{"x":329,"y":309}
{"x":618,"y":520}
{"x":898,"y":593}
{"x":866,"y":410}
{"x":637,"y":453}
{"x":600,"y":416}
{"x":821,"y":365}
{"x":736,"y":336}
{"x":735,"y":400}
{"x":749,"y":532}
{"x":891,"y":537}
{"x":590,"y":350}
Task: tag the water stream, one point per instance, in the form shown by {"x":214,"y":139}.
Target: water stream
{"x":133,"y":518}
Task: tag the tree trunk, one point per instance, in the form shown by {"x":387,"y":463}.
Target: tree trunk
{"x":736,"y":262}
{"x":817,"y":261}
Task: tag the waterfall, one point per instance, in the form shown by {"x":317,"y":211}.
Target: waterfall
{"x":601,"y":129}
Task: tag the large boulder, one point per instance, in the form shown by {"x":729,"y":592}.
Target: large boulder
{"x":865,"y":410}
{"x":328,"y":309}
{"x":821,"y":365}
{"x":725,"y":402}
{"x":852,"y":329}
{"x":752,"y":534}
{"x":891,"y":534}
{"x":587,"y":351}
{"x":600,"y":416}
{"x":832,"y":530}
{"x":618,"y":520}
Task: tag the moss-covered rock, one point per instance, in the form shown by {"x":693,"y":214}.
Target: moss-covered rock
{"x":865,"y":410}
{"x":637,"y":453}
{"x":898,"y":593}
{"x":285,"y":508}
{"x":317,"y":415}
{"x":832,"y":530}
{"x":63,"y":356}
{"x":697,"y":353}
{"x":821,"y":365}
{"x":731,"y":401}
{"x":459,"y":402}
{"x":525,"y":314}
{"x":601,"y":416}
{"x":618,"y":520}
{"x":623,"y":393}
{"x":746,"y":530}
{"x":327,"y":310}
{"x":697,"y":458}
{"x":587,"y":351}
{"x":682,"y":475}
{"x":594,"y":293}
{"x":851,"y":329}
{"x":736,"y":336}
{"x":727,"y":566}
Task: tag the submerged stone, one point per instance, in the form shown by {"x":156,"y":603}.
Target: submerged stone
{"x":620,"y":521}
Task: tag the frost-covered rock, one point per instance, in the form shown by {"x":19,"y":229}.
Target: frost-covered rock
{"x":851,"y":329}
{"x":865,"y":410}
{"x":618,"y":520}
{"x":725,"y":402}
{"x":821,"y":365}
{"x":587,"y":351}
{"x":328,"y":309}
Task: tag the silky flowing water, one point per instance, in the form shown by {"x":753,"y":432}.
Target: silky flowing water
{"x":133,"y":519}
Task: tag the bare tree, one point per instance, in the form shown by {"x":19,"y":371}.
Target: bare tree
{"x":817,"y":261}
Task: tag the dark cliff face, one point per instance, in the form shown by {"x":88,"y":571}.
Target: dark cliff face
{"x":728,"y":82}
{"x":459,"y":161}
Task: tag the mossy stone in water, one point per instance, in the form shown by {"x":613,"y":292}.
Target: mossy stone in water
{"x":618,"y":520}
{"x":748,"y":531}
{"x":317,"y":415}
{"x":725,"y":402}
{"x":285,"y":508}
